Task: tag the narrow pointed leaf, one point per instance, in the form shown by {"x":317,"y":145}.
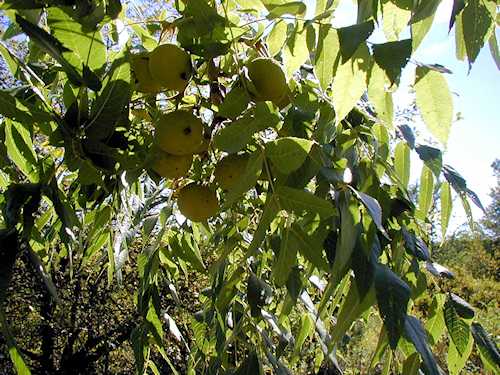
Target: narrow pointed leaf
{"x":393,"y":295}
{"x":402,"y":162}
{"x":488,"y":350}
{"x":415,"y":333}
{"x":446,"y":207}
{"x":426,"y":191}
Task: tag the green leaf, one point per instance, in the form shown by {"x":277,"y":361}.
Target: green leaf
{"x":86,"y":48}
{"x":477,"y":27}
{"x":402,"y":162}
{"x":455,"y":179}
{"x":271,"y":209}
{"x":373,"y":208}
{"x":112,"y":101}
{"x":446,"y":207}
{"x":15,"y":355}
{"x":432,"y":157}
{"x":138,"y":339}
{"x":250,"y":366}
{"x":421,"y":21}
{"x":461,"y":306}
{"x":186,"y":249}
{"x":288,"y":153}
{"x":235,"y":136}
{"x":9,"y":60}
{"x":278,"y":10}
{"x":380,"y":97}
{"x":350,"y":229}
{"x":435,"y":324}
{"x":487,"y":348}
{"x":426,"y":191}
{"x":414,"y":245}
{"x":456,"y":360}
{"x":393,"y":295}
{"x":309,"y":247}
{"x":458,"y":6}
{"x":52,"y":46}
{"x":351,"y":37}
{"x":296,"y":52}
{"x":203,"y":31}
{"x":460,"y":50}
{"x":350,"y":82}
{"x":306,"y":329}
{"x":235,"y":102}
{"x":248,"y":178}
{"x":351,"y":309}
{"x":20,"y":149}
{"x":40,"y":268}
{"x":434,"y":102}
{"x":415,"y":333}
{"x":323,"y":6}
{"x":258,"y":294}
{"x":411,"y":365}
{"x":21,"y":111}
{"x":285,"y":260}
{"x":457,"y":328}
{"x":327,"y":55}
{"x":493,"y":43}
{"x":396,"y":16}
{"x":424,"y":10}
{"x":277,"y":37}
{"x":392,"y":57}
{"x":298,"y":201}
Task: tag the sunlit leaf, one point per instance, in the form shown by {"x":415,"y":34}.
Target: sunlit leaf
{"x":327,"y":55}
{"x":446,"y":207}
{"x":350,"y":82}
{"x":434,"y":102}
{"x":402,"y":162}
{"x":426,"y":192}
{"x":288,"y":153}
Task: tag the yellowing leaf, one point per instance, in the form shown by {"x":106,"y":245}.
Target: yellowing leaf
{"x":396,"y":15}
{"x":402,"y":162}
{"x":327,"y":55}
{"x":446,"y":207}
{"x":277,"y":37}
{"x":296,"y":52}
{"x":349,"y":83}
{"x":379,"y":96}
{"x":434,"y":102}
{"x":426,"y":191}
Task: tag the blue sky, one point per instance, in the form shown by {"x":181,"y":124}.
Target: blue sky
{"x":474,"y":141}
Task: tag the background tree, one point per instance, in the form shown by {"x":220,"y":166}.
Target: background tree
{"x":491,"y":221}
